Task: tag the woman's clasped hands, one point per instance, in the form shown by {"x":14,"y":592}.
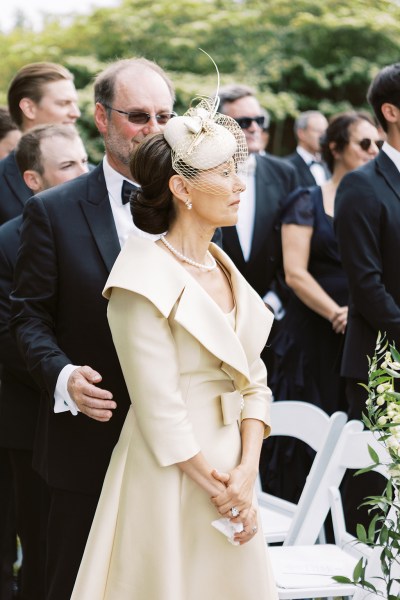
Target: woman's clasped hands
{"x":236,"y":502}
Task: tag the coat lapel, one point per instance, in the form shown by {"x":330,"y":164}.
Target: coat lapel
{"x":98,"y":213}
{"x":386,"y":167}
{"x":175,"y":287}
{"x":265,"y":200}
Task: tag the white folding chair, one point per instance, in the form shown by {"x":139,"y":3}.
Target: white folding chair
{"x":305,"y":569}
{"x":313,"y":426}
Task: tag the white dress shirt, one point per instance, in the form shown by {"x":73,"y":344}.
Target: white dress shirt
{"x":125,"y":227}
{"x":247,"y":207}
{"x":314,"y":164}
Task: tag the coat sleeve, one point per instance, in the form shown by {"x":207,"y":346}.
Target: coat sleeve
{"x":149,"y":361}
{"x":34,"y":298}
{"x":257,"y":396}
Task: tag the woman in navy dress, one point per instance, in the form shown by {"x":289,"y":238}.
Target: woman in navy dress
{"x":310,"y":346}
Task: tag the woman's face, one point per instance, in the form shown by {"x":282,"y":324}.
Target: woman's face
{"x":219,"y":205}
{"x":359,"y":151}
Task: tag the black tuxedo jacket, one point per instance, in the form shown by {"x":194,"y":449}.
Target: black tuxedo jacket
{"x":13,"y":190}
{"x":305,"y":176}
{"x":274,"y":180}
{"x":68,"y":246}
{"x":367,"y":223}
{"x":19,"y":395}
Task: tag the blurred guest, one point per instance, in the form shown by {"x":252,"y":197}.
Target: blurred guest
{"x":47,"y":155}
{"x":9,"y":133}
{"x":310,"y":344}
{"x":367,"y":222}
{"x":254,"y":244}
{"x":265,"y":130}
{"x":309,"y":127}
{"x":39,"y":93}
{"x":9,"y":136}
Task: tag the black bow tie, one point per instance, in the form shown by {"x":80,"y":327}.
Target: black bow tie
{"x":127,"y":189}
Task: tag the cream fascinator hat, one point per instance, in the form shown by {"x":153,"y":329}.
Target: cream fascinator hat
{"x":203,"y":139}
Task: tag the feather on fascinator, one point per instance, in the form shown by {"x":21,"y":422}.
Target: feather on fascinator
{"x":203,"y":139}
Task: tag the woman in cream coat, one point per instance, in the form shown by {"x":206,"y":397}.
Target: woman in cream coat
{"x":188,"y":330}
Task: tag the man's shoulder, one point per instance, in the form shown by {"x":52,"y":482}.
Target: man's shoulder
{"x":277,"y":164}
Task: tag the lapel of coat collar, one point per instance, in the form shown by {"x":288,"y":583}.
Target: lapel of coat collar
{"x":195,"y":311}
{"x":98,"y":213}
{"x":15,"y":180}
{"x":389,"y":171}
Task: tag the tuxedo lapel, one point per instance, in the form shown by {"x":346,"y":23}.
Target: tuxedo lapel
{"x":15,"y":180}
{"x":386,"y":167}
{"x":98,"y":213}
{"x":231,"y":244}
{"x":265,"y":200}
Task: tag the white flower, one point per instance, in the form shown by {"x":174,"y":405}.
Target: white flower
{"x":382,"y":420}
{"x":380,"y":400}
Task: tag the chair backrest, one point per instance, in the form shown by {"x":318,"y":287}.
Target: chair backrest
{"x":351,"y":452}
{"x":305,"y":422}
{"x":316,"y":428}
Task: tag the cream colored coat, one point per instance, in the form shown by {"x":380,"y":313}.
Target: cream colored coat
{"x":192,"y":376}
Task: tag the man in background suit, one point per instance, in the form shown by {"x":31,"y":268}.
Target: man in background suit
{"x":309,"y":127}
{"x":367,"y":223}
{"x":70,"y":239}
{"x":47,"y":155}
{"x":254,"y":244}
{"x":39,"y":93}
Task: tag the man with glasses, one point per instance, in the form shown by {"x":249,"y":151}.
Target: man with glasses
{"x":254,"y":244}
{"x":70,"y":240}
{"x":309,"y":127}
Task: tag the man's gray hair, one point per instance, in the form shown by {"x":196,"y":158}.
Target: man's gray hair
{"x":232,"y":92}
{"x":303,"y":119}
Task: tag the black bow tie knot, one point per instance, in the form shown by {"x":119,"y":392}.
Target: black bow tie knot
{"x":127,"y":189}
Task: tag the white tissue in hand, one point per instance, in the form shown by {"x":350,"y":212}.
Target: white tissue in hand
{"x":228,"y":528}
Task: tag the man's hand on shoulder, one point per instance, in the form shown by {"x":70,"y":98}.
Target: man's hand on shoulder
{"x":91,"y":400}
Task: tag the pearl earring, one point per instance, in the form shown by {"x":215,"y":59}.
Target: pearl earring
{"x":188,"y":204}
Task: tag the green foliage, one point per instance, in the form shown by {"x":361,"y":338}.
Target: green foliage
{"x":383,"y":418}
{"x":297,"y":54}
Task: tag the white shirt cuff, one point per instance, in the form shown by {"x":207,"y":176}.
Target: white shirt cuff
{"x":62,"y":400}
{"x":274,"y":302}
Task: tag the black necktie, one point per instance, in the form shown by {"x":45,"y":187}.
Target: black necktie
{"x":127,"y":189}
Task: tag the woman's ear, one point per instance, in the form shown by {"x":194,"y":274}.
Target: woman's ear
{"x":179,"y":187}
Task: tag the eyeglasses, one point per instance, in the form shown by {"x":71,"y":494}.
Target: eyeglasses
{"x":245,"y":122}
{"x":141,"y":118}
{"x":365,"y":143}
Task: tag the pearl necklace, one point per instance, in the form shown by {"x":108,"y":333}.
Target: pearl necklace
{"x":190,"y":261}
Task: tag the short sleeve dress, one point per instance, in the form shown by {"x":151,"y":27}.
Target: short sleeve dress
{"x":310,"y":350}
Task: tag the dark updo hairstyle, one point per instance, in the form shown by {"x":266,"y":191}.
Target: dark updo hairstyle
{"x":338,"y":132}
{"x":151,"y":167}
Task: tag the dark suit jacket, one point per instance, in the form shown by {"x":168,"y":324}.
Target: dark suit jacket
{"x":367,"y":223}
{"x":19,"y":395}
{"x":275,"y":179}
{"x":13,"y":190}
{"x":68,"y":246}
{"x":305,"y":176}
